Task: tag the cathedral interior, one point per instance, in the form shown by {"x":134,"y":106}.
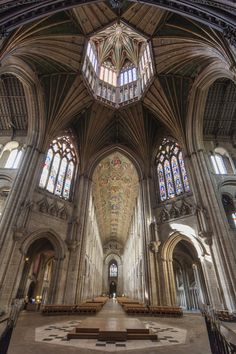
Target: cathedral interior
{"x":118,"y":152}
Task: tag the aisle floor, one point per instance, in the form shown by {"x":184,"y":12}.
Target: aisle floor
{"x":36,"y":334}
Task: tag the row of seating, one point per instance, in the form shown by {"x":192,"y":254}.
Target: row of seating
{"x":86,"y":308}
{"x":225,"y":315}
{"x":134,"y":307}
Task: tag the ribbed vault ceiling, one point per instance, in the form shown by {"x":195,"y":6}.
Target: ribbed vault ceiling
{"x":52,"y":50}
{"x":13,"y":110}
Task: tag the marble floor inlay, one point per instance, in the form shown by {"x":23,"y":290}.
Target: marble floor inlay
{"x":56,"y":333}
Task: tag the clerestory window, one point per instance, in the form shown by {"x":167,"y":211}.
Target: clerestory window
{"x":59,"y":167}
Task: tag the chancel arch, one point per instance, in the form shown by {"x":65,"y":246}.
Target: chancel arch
{"x":185,"y":284}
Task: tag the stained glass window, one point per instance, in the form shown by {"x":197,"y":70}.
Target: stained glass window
{"x":113,"y":270}
{"x":171,"y":172}
{"x":59,"y":166}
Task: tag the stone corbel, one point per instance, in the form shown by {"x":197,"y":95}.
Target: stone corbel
{"x":206,"y":236}
{"x":154,"y":246}
{"x":19,"y":233}
{"x":72,"y":245}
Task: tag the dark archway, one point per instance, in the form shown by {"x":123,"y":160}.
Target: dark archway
{"x":37,"y":273}
{"x":189,"y":280}
{"x":112,"y":290}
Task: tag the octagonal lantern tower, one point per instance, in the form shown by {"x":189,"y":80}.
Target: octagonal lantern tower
{"x":118,"y":65}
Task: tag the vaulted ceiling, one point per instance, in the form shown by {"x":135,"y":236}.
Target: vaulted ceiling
{"x":51,"y":49}
{"x":13,"y":110}
{"x":115,"y":189}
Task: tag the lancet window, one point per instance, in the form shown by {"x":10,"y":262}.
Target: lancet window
{"x":221,"y":162}
{"x":59,"y":167}
{"x":113,"y":271}
{"x":171,"y":171}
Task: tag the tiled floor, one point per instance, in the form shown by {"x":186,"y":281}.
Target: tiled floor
{"x":36,"y":334}
{"x":56,"y":334}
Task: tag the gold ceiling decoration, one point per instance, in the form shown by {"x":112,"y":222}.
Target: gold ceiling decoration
{"x":118,"y":44}
{"x":115,"y":189}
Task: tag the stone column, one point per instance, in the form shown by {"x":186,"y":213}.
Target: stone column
{"x":13,"y":225}
{"x":148,"y":264}
{"x":214,"y":230}
{"x":76,"y":242}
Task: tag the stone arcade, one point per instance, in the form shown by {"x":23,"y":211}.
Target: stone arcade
{"x":118,"y":152}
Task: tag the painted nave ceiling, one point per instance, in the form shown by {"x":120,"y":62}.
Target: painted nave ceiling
{"x":49,"y":47}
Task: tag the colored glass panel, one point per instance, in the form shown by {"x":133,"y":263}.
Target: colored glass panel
{"x":176,"y":175}
{"x":53,"y":173}
{"x":169,"y":181}
{"x":44,"y":175}
{"x":61,"y":177}
{"x":161,"y":179}
{"x":69,"y":175}
{"x":183,"y":171}
{"x":113,"y":270}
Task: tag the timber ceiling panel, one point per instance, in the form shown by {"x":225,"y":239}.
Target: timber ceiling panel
{"x":13,"y":111}
{"x":144,"y":18}
{"x":184,"y":47}
{"x":115,"y":189}
{"x":92,"y":17}
{"x":220,"y":111}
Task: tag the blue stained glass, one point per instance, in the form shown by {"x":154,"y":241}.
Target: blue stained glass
{"x":69,"y":175}
{"x":183,"y":171}
{"x":176,"y":175}
{"x":162,"y":186}
{"x":53,"y":173}
{"x":61,"y":177}
{"x":169,"y":181}
{"x":46,"y":168}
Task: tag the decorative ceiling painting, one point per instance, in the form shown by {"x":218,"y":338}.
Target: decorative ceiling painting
{"x":115,"y":189}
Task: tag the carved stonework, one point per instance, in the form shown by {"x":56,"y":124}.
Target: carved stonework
{"x":52,"y":209}
{"x":112,"y":247}
{"x":43,"y":205}
{"x":164,"y":215}
{"x":175,"y":210}
{"x":72,"y":244}
{"x":185,"y":208}
{"x":154,"y":246}
{"x":230,"y":34}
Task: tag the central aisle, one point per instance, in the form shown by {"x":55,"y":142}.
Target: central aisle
{"x":112,"y":309}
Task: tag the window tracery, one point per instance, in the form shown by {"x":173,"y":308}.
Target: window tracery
{"x":221,"y":162}
{"x":59,"y":167}
{"x":113,"y":270}
{"x":11,"y":155}
{"x":172,"y":175}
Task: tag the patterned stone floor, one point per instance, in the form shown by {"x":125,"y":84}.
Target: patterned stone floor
{"x":56,"y":334}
